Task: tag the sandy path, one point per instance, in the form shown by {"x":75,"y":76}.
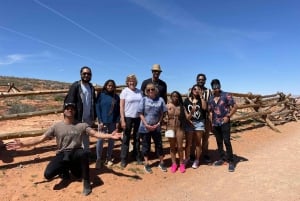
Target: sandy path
{"x":268,"y":170}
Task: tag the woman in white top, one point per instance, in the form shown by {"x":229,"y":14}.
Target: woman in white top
{"x":130,"y":120}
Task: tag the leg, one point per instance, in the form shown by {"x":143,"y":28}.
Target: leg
{"x":205,"y":138}
{"x":219,"y":138}
{"x":226,"y":136}
{"x":99,"y":149}
{"x":125,"y":141}
{"x":136,"y":139}
{"x":111,"y":142}
{"x":179,"y":140}
{"x":80,"y":168}
{"x":179,"y":143}
{"x":188,"y":143}
{"x":86,"y":142}
{"x":56,"y":166}
{"x":193,"y":149}
{"x":173,"y":149}
{"x":198,"y":135}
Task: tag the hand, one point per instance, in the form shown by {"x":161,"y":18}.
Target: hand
{"x":16,"y":144}
{"x":116,"y":135}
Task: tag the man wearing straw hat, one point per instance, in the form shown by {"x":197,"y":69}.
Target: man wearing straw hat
{"x":158,"y":83}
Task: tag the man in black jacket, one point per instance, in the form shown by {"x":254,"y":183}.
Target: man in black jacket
{"x":82,"y":93}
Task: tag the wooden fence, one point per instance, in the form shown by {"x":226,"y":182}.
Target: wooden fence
{"x":253,"y":110}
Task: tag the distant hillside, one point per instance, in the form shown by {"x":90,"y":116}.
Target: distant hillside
{"x":23,"y":104}
{"x":30,"y":84}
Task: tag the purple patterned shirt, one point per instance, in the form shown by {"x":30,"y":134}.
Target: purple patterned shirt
{"x":221,"y":108}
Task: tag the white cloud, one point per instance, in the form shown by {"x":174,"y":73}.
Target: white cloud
{"x":12,"y":58}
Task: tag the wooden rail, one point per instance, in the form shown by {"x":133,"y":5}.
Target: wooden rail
{"x":271,"y":110}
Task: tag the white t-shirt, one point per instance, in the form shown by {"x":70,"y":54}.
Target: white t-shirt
{"x":132,"y":100}
{"x":86,"y":102}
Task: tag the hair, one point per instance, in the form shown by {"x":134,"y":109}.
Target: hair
{"x":201,"y":74}
{"x":150,"y":84}
{"x":215,"y":81}
{"x":113,"y":103}
{"x":191,"y":92}
{"x":85,"y":67}
{"x":106,"y":83}
{"x":182,"y":117}
{"x":131,"y":77}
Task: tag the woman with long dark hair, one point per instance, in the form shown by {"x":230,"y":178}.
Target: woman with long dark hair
{"x":108,"y":114}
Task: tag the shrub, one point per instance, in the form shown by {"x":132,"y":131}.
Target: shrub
{"x":21,"y":108}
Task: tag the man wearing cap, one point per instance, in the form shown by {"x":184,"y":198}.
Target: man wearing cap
{"x":70,"y":156}
{"x":158,"y":83}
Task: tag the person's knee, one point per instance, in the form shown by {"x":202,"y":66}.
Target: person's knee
{"x":48,"y":175}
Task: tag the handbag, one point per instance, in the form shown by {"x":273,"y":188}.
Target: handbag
{"x":170,"y":133}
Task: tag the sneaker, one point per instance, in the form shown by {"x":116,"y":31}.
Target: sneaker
{"x":195,"y":164}
{"x":207,"y":159}
{"x":109,"y":163}
{"x":98,"y":164}
{"x":218,"y":163}
{"x":173,"y":168}
{"x":162,"y":167}
{"x":231,"y":167}
{"x":148,"y":169}
{"x":182,"y":168}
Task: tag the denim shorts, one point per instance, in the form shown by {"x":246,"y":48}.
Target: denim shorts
{"x":197,"y":126}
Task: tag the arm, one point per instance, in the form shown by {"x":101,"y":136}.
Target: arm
{"x":98,"y":111}
{"x":19,"y":143}
{"x":122,"y":113}
{"x":114,"y":135}
{"x":204,"y":104}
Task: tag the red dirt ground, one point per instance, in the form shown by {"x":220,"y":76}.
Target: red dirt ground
{"x":267,"y":169}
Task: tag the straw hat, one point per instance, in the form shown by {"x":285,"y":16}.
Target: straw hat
{"x":156,"y":67}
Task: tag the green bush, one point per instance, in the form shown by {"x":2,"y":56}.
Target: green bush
{"x":21,"y":108}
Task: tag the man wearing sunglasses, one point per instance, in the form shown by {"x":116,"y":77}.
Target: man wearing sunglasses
{"x":82,"y":93}
{"x":158,"y":83}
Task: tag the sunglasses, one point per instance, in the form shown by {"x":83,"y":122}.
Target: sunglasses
{"x":201,"y":80}
{"x":152,"y":89}
{"x":86,"y":73}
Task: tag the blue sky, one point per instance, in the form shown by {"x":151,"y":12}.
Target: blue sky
{"x":250,"y":45}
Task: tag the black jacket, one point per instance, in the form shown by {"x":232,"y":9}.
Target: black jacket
{"x":74,"y":96}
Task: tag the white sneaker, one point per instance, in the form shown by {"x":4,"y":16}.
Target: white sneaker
{"x":109,"y":163}
{"x":195,"y":164}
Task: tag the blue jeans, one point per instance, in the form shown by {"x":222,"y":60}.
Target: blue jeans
{"x":222,"y":134}
{"x":108,"y":128}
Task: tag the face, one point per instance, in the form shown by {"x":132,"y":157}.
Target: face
{"x":150,"y":89}
{"x":86,"y":75}
{"x":174,"y":98}
{"x":110,"y":87}
{"x":131,"y":83}
{"x":156,"y":74}
{"x":195,"y":90}
{"x":201,"y":81}
{"x":69,"y":111}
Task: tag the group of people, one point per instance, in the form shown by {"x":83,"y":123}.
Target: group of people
{"x":140,"y":114}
